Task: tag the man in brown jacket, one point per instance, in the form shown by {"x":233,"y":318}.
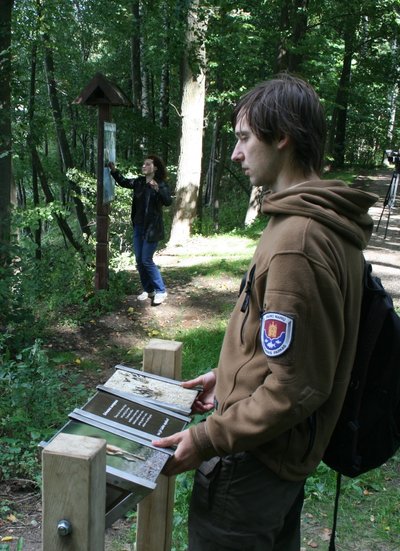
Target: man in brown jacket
{"x":290,"y":343}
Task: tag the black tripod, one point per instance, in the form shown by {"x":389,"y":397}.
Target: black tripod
{"x":390,"y":199}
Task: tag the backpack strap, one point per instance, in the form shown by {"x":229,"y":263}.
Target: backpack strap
{"x":247,"y":288}
{"x":332,"y":546}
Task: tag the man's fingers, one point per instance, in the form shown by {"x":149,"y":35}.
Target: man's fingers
{"x":167,"y":442}
{"x":193,"y":382}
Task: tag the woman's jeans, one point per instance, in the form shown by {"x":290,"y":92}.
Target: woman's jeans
{"x":149,"y":274}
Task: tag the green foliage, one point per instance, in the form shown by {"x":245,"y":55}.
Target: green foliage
{"x":6,"y":547}
{"x":59,"y":287}
{"x":347,"y":176}
{"x":322,"y":483}
{"x":201,"y":348}
{"x":184,"y":483}
{"x":16,"y":314}
{"x":35,"y":396}
{"x":368,"y":505}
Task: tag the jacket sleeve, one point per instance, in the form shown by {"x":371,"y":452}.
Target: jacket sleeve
{"x":164,"y":194}
{"x":128,"y":183}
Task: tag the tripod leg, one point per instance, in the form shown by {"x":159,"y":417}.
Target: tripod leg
{"x":396,"y":185}
{"x":387,"y":224}
{"x":392,"y":199}
{"x":380,"y":218}
{"x":389,"y":193}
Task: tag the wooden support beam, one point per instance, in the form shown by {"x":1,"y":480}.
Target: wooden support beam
{"x":74,"y":491}
{"x":155,"y":512}
{"x":103,"y":210}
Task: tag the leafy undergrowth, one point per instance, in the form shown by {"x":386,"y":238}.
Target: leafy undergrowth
{"x":369,"y":510}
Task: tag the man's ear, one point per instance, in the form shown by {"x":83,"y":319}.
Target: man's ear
{"x":283,"y":142}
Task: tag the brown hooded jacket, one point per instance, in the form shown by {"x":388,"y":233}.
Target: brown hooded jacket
{"x":290,"y":343}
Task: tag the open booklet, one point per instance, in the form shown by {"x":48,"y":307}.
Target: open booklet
{"x":153,"y":388}
{"x":129,"y":421}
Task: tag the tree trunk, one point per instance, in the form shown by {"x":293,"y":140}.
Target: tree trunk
{"x":299,"y":31}
{"x":63,"y":146}
{"x":339,"y":116}
{"x":61,"y":221}
{"x":165,"y":83}
{"x":192,"y":112}
{"x":215,"y":170}
{"x":212,"y":163}
{"x":136,"y":74}
{"x":254,"y":207}
{"x":394,"y":94}
{"x":164,"y":108}
{"x":135,"y":57}
{"x":144,"y":75}
{"x":293,"y":16}
{"x":37,"y":232}
{"x":5,"y":130}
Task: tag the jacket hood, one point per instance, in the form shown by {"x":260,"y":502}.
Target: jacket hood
{"x":330,"y":202}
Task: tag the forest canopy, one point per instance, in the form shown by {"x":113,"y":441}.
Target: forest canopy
{"x":182,"y":65}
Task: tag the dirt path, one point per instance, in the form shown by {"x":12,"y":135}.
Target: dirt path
{"x":383,"y":250}
{"x":189,"y":302}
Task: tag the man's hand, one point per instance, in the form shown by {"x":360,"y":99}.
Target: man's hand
{"x":205,"y":400}
{"x":186,"y":456}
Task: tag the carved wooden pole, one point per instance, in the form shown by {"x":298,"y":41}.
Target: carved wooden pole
{"x":103,"y":94}
{"x":102,"y":210}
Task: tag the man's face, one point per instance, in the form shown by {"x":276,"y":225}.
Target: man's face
{"x":260,"y":161}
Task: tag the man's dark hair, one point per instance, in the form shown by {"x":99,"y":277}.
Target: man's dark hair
{"x":287,"y":106}
{"x":161,"y":173}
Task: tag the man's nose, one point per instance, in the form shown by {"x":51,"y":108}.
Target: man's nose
{"x":237,"y":155}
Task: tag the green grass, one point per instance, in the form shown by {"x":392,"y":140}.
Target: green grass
{"x":369,"y":509}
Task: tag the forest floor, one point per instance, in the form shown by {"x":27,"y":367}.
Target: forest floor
{"x":133,"y":325}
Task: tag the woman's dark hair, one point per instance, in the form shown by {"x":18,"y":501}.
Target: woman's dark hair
{"x":287,"y":106}
{"x":161,"y":173}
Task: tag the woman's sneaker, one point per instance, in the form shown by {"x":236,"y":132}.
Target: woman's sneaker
{"x":145,"y":295}
{"x":159,"y":298}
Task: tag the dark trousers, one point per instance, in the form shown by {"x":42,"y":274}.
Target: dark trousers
{"x":239,"y":504}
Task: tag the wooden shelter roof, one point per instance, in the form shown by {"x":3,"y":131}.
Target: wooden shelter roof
{"x":100,"y":91}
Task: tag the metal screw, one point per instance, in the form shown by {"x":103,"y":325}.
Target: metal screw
{"x":64,"y":527}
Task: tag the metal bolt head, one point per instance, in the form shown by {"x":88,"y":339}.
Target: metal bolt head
{"x":64,"y":527}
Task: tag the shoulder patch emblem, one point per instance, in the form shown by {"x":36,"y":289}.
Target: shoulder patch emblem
{"x":276,"y":333}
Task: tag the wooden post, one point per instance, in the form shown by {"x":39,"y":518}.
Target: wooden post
{"x":155,"y":512}
{"x":103,"y":94}
{"x":74,"y":493}
{"x":103,"y":211}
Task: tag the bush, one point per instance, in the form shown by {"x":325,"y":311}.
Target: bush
{"x":35,"y":396}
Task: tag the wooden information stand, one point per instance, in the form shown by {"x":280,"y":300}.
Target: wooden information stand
{"x":74,"y":494}
{"x":78,"y":474}
{"x":155,"y":512}
{"x":103,"y":94}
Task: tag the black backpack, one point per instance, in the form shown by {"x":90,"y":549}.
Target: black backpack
{"x":368,"y":429}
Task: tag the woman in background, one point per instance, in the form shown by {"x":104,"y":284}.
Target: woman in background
{"x":150,"y":194}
